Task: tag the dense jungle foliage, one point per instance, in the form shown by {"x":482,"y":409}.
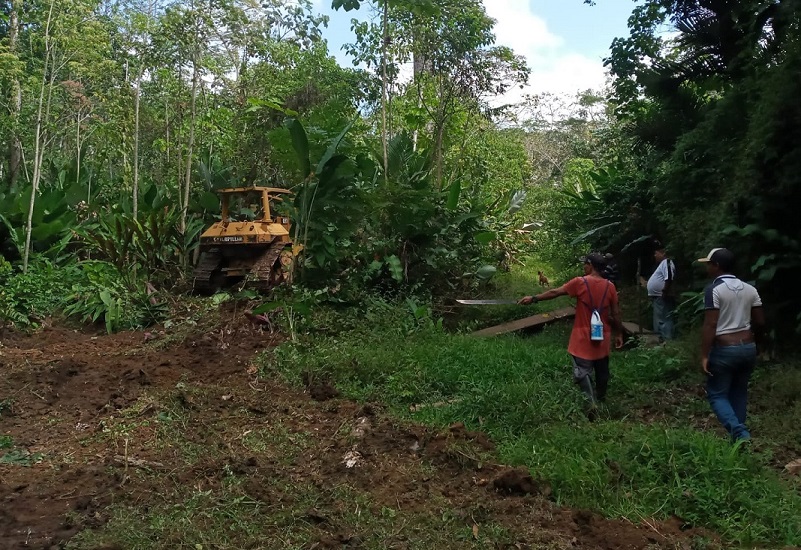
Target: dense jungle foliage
{"x":121,"y":118}
{"x":413,"y":182}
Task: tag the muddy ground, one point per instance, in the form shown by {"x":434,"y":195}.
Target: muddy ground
{"x":83,"y":412}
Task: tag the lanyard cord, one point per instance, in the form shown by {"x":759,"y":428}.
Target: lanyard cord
{"x":591,"y":305}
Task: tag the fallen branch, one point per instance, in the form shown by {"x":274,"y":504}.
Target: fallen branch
{"x":437,"y":405}
{"x":37,"y":395}
{"x":139,"y":463}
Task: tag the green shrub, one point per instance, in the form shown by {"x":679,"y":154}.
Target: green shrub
{"x":27,"y":298}
{"x":118,"y":300}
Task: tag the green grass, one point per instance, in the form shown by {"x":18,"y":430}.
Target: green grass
{"x":285,"y":516}
{"x":265,"y":505}
{"x":649,"y":456}
{"x":643,"y":459}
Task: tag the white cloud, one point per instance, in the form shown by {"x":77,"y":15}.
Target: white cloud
{"x":568,"y":73}
{"x":554,"y":68}
{"x":519,"y":28}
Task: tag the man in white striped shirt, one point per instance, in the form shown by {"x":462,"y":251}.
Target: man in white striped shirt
{"x":661,"y":291}
{"x":733,"y":315}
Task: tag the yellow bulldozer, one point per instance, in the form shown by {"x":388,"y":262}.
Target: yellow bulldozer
{"x":249,"y":244}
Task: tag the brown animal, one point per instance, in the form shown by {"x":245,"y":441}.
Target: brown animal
{"x":543,"y":279}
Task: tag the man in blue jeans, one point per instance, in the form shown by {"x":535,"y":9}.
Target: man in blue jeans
{"x":733,"y":315}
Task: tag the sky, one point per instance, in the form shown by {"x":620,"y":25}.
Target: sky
{"x":564,"y":41}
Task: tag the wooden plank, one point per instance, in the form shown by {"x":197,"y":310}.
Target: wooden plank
{"x":545,"y":318}
{"x":528,"y":322}
{"x":634,"y":328}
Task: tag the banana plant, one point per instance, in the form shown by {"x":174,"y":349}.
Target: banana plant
{"x":153,"y":243}
{"x":54,"y":212}
{"x":325,"y":200}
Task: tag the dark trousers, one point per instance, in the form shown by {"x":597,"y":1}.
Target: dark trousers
{"x":583,"y":370}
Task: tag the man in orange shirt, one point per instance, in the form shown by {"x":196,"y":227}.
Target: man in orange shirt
{"x":589,"y":347}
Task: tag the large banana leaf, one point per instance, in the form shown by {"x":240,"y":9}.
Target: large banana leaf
{"x":300,"y":142}
{"x":594,"y":231}
{"x":332,"y":147}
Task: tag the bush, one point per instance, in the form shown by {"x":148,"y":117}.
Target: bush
{"x":119,"y":300}
{"x":28,"y":298}
{"x":90,"y":291}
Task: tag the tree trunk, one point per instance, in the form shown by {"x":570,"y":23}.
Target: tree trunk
{"x":167,"y":128}
{"x":179,"y":159}
{"x":39,"y":145}
{"x":440,"y":120}
{"x":191,"y":144}
{"x":136,"y":145}
{"x":416,"y":131}
{"x":137,"y":100}
{"x":384,"y":48}
{"x":439,"y":146}
{"x":15,"y":103}
{"x":78,"y":149}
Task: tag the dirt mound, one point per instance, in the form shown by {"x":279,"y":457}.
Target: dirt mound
{"x":57,"y":387}
{"x":319,"y":390}
{"x":518,"y":481}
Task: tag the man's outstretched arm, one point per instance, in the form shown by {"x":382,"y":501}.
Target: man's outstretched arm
{"x":547,"y":295}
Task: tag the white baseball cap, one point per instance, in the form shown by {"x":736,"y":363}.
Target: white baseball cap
{"x":719,"y":256}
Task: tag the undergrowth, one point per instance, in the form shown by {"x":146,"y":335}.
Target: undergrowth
{"x":646,"y":457}
{"x":86,"y":292}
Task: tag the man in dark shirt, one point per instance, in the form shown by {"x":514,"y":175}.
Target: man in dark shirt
{"x":611,"y":272}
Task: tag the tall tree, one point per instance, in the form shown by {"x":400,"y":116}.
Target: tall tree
{"x":68,"y":49}
{"x":384,"y":83}
{"x":701,"y":110}
{"x":138,"y":20}
{"x":184,"y":35}
{"x":42,"y":116}
{"x":452,"y":43}
{"x":15,"y":96}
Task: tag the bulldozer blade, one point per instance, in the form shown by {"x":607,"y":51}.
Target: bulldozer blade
{"x":486,"y":302}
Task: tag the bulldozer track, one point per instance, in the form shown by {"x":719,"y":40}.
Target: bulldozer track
{"x":209,"y":261}
{"x":261,"y":275}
